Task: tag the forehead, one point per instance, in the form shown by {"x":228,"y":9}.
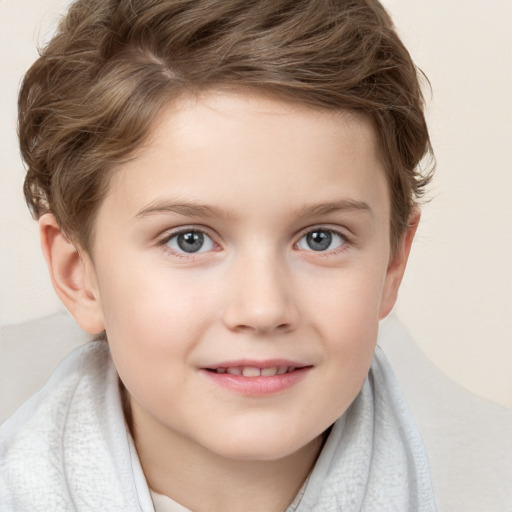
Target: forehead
{"x":249,"y":152}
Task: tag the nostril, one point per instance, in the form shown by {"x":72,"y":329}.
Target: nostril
{"x":244,"y":328}
{"x":259,"y":328}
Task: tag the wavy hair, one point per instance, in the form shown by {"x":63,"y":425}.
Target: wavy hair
{"x":90,"y":99}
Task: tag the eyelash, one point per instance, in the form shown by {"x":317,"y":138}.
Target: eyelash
{"x":347,"y":241}
{"x":181,"y":255}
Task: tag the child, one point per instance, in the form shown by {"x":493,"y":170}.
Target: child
{"x":227,"y":195}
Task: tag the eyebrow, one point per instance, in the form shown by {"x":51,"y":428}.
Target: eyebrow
{"x":185,"y":209}
{"x":333,"y":207}
{"x":203,"y":210}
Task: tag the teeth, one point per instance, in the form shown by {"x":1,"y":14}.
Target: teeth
{"x":252,"y":371}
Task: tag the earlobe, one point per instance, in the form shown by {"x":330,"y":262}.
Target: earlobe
{"x":396,"y":267}
{"x":72,"y":276}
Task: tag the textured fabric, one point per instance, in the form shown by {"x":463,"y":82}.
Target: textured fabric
{"x":468,"y":439}
{"x":374,"y":459}
{"x":68,"y":449}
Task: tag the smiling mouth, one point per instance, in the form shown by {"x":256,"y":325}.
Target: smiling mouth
{"x":253,"y":371}
{"x":257,"y":380}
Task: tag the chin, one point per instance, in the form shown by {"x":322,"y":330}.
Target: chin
{"x":265,"y":448}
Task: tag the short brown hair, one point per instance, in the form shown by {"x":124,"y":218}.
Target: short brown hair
{"x":90,"y":99}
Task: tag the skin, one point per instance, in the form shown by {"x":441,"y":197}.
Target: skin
{"x":256,"y":289}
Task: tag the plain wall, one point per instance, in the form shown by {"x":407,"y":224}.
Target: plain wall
{"x":456,"y":298}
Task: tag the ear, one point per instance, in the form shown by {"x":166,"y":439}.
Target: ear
{"x":396,"y":267}
{"x":72,"y":274}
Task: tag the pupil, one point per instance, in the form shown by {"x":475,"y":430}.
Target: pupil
{"x":319,"y":240}
{"x":191,"y":241}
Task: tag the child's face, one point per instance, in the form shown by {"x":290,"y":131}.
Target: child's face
{"x":249,"y":234}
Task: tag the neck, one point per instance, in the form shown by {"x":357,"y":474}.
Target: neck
{"x":201,"y":480}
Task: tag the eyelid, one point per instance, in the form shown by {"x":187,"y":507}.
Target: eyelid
{"x":336,"y":231}
{"x":171,"y":233}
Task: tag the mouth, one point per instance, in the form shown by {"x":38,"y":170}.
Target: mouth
{"x":253,"y":379}
{"x":254,"y":371}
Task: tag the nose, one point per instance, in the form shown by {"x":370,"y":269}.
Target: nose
{"x":261,"y":299}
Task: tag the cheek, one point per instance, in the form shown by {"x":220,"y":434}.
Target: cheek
{"x":347,"y":301}
{"x":153,"y":327}
{"x":345,"y":316}
{"x":154,"y":311}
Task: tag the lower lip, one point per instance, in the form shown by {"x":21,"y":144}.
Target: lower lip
{"x":257,"y":386}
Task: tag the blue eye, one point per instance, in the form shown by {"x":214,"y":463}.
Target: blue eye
{"x":191,"y":241}
{"x":321,"y":240}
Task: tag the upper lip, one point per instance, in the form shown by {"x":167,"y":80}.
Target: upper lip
{"x":245,"y":363}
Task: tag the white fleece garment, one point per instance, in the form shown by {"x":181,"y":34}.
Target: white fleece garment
{"x":68,"y":449}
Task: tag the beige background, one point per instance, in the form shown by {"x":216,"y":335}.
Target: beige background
{"x":457,"y":296}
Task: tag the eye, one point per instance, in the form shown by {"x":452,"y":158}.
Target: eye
{"x":321,"y":240}
{"x":190,"y":241}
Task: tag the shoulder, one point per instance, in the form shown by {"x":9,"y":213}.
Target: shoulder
{"x":51,"y":403}
{"x":43,"y":443}
{"x":67,"y":447}
{"x":468,"y":439}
